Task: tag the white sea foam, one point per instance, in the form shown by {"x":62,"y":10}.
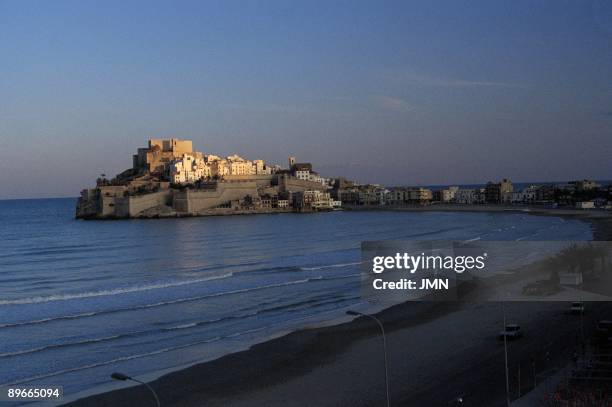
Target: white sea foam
{"x":43,"y":320}
{"x":83,"y":342}
{"x":143,"y":355}
{"x":108,"y":362}
{"x":184,"y":326}
{"x":340,"y":265}
{"x":161,"y":303}
{"x":114,"y":291}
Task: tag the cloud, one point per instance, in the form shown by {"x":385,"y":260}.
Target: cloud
{"x":266,"y":108}
{"x":281,"y":109}
{"x":429,"y":80}
{"x":607,"y":113}
{"x":393,"y":104}
{"x":337,"y":108}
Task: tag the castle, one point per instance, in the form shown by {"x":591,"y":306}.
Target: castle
{"x":169,"y":179}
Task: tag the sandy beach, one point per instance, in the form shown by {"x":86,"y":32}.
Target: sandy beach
{"x":437,"y":352}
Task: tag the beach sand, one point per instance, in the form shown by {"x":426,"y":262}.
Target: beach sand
{"x":437,"y":352}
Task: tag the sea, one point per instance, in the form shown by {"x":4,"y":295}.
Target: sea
{"x":82,"y":299}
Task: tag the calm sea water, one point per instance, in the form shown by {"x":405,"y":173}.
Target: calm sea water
{"x":81,"y":299}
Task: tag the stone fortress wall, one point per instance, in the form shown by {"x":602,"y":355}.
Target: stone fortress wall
{"x":195,"y":201}
{"x":138,"y":205}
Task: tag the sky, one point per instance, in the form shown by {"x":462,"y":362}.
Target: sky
{"x":397,"y":93}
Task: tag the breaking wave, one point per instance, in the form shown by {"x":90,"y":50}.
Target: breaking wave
{"x":147,"y":354}
{"x":340,"y":265}
{"x":194,"y":324}
{"x":114,"y":291}
{"x":169,"y":302}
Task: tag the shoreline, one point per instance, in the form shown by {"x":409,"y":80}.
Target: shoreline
{"x":600,"y":220}
{"x":269,"y":362}
{"x":280,"y":359}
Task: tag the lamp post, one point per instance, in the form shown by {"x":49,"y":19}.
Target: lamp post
{"x":382,"y":330}
{"x":506,"y":357}
{"x":123,"y":377}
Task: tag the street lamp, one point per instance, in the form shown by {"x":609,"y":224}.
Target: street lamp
{"x":123,"y":377}
{"x":382,"y":330}
{"x":506,"y":357}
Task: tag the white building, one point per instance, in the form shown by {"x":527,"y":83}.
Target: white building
{"x":241,"y":167}
{"x":236,"y":165}
{"x":382,"y":195}
{"x":464,"y":196}
{"x":219,"y":167}
{"x":585,"y":205}
{"x":303,"y":171}
{"x":469,"y":196}
{"x":317,"y":199}
{"x":527,"y":195}
{"x":302,"y":174}
{"x":260,"y":168}
{"x":448,"y":194}
{"x":314,"y":177}
{"x":188,"y":169}
{"x":194,"y":166}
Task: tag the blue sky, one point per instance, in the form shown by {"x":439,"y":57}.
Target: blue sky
{"x":392,"y":92}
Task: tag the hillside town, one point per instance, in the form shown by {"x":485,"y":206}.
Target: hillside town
{"x":169,"y":178}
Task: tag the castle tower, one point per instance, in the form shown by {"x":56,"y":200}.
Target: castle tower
{"x":291,"y":161}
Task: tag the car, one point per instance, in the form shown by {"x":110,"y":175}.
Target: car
{"x":512,"y":331}
{"x":577,"y":308}
{"x":603,"y":330}
{"x":542,"y":287}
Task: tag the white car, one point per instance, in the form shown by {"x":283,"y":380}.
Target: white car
{"x":512,"y":331}
{"x":577,"y":308}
